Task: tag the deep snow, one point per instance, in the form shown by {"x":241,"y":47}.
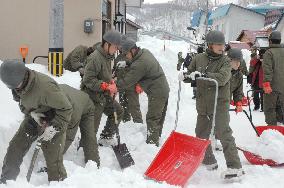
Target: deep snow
{"x":134,"y":136}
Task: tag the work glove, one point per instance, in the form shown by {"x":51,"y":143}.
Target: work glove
{"x":181,"y":76}
{"x":195,"y":75}
{"x":138,"y":89}
{"x":111,"y":87}
{"x":48,"y":133}
{"x":239,"y":107}
{"x":39,"y":118}
{"x":121,"y":64}
{"x":267,"y":88}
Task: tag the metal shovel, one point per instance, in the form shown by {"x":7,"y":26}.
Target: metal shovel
{"x":121,"y":151}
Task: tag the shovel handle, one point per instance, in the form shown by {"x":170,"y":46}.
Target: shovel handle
{"x":250,"y":120}
{"x":116,"y":122}
{"x":178,"y":101}
{"x":32,"y":164}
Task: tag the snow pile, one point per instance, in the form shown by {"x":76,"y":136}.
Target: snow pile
{"x":270,"y":146}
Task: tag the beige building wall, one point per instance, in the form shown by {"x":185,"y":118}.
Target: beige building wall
{"x":26,"y":22}
{"x":23,"y":22}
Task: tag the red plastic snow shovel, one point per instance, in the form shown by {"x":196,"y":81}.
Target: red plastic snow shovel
{"x":181,"y":154}
{"x":256,"y":159}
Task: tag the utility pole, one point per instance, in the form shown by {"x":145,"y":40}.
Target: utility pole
{"x":56,"y":32}
{"x":206,"y":17}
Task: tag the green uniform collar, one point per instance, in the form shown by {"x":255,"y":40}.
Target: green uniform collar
{"x":107,"y":56}
{"x":211,"y":55}
{"x":234,"y":72}
{"x":138,"y":54}
{"x":28,"y":85}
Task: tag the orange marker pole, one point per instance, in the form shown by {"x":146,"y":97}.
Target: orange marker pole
{"x":24,"y":52}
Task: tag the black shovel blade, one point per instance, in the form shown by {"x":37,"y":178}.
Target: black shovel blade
{"x":123,"y":156}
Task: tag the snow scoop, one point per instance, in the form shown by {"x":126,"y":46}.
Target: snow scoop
{"x":256,"y":159}
{"x":32,"y":164}
{"x":181,"y":154}
{"x":121,"y":151}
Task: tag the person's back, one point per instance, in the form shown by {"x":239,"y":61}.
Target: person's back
{"x":273,"y":67}
{"x":39,"y":94}
{"x":273,"y":82}
{"x":146,"y":71}
{"x":243,"y":68}
{"x":236,"y":85}
{"x":83,"y":118}
{"x":152,"y":78}
{"x":76,"y":59}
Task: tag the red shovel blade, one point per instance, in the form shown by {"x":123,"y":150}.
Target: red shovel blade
{"x":178,"y":159}
{"x":256,"y":159}
{"x":260,"y":129}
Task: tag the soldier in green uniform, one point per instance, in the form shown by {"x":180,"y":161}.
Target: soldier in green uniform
{"x":98,"y":83}
{"x":51,"y":112}
{"x":236,"y":81}
{"x":128,"y":99}
{"x":273,"y":82}
{"x":146,"y":71}
{"x":215,"y":65}
{"x":180,"y":61}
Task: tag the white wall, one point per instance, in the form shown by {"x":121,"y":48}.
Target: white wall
{"x":240,"y":19}
{"x":237,"y":20}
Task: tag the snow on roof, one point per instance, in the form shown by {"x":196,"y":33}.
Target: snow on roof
{"x":263,"y":8}
{"x":223,"y":11}
{"x":272,"y":25}
{"x":220,"y":12}
{"x":130,"y":17}
{"x":251,"y":34}
{"x":239,"y":45}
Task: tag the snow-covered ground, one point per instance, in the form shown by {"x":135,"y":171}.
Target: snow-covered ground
{"x":134,"y":136}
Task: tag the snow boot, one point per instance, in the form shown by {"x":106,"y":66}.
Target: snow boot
{"x":42,"y":169}
{"x":212,"y":167}
{"x":232,"y":173}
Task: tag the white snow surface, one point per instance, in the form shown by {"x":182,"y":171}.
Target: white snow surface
{"x":269,"y":146}
{"x":134,"y":135}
